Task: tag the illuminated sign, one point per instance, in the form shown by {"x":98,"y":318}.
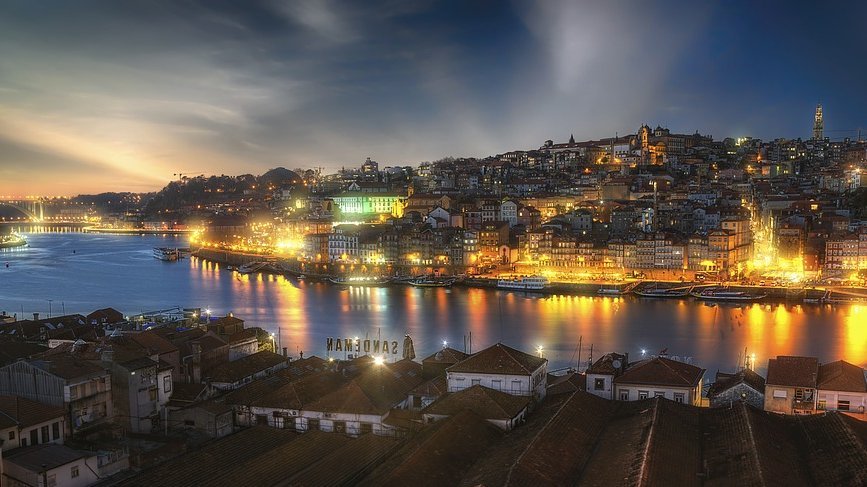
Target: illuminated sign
{"x":358,"y":345}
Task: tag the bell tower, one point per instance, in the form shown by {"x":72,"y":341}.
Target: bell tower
{"x":818,"y":124}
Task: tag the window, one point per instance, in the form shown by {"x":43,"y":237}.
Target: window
{"x":780,"y":393}
{"x":45,"y":437}
{"x":52,"y":480}
{"x":340,"y":426}
{"x":658,"y":394}
{"x":34,"y":437}
{"x":289,"y":423}
{"x":799,"y":394}
{"x":497,"y":384}
{"x":624,"y":394}
{"x":152,"y":394}
{"x":516,"y":386}
{"x":23,"y":441}
{"x":73,"y":472}
{"x":642,"y":394}
{"x":599,"y":384}
{"x":823,"y":404}
{"x":842,"y":405}
{"x":312,"y":424}
{"x":476,"y":382}
{"x":167,"y":383}
{"x":262,"y":419}
{"x":366,"y":428}
{"x":55,"y":430}
{"x":12,"y":435}
{"x":678,"y":397}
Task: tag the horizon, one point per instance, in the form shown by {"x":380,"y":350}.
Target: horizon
{"x":97,"y":100}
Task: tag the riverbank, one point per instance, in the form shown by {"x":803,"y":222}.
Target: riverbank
{"x":772,"y":294}
{"x":134,"y":231}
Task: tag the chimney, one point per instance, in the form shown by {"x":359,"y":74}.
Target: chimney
{"x":285,"y":351}
{"x":35,"y":316}
{"x":625,"y":362}
{"x":107,"y":355}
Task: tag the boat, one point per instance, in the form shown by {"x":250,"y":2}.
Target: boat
{"x":611,"y":291}
{"x":184,"y":252}
{"x":524,"y":283}
{"x":360,"y":281}
{"x":166,"y":254}
{"x":11,"y":241}
{"x":432,"y":282}
{"x":251,"y":267}
{"x":656,"y":292}
{"x":724,"y":294}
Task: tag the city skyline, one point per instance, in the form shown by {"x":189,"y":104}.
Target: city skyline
{"x":97,"y":99}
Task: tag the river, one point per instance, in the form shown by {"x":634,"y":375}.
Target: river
{"x":77,"y":273}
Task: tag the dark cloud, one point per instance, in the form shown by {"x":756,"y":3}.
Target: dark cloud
{"x":143,"y":89}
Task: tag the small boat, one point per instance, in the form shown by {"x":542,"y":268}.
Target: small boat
{"x":723,"y":294}
{"x":524,"y":283}
{"x":656,"y":292}
{"x":610,"y":291}
{"x":301,"y":277}
{"x":166,"y":254}
{"x":431,"y":282}
{"x":360,"y":281}
{"x":251,"y":267}
{"x":12,"y":240}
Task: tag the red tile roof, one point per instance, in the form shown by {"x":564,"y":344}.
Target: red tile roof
{"x":22,"y":412}
{"x":487,"y":403}
{"x":661,"y":371}
{"x":786,"y":370}
{"x":841,"y":376}
{"x":499,"y":359}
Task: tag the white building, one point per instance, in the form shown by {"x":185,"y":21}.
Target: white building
{"x":501,"y":368}
{"x":660,"y":377}
{"x":26,"y":423}
{"x":509,"y":212}
{"x":49,"y":465}
{"x":842,"y":387}
{"x":601,"y":375}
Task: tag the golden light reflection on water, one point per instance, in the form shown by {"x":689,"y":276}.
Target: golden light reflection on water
{"x":855,"y":349}
{"x":714,"y":336}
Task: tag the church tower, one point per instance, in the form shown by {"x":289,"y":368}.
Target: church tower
{"x":818,"y":124}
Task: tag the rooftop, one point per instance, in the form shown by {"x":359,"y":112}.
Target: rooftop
{"x":499,"y":359}
{"x":661,"y":371}
{"x":792,"y":371}
{"x":232,"y":372}
{"x":842,"y":376}
{"x":483,"y":401}
{"x":22,"y":412}
{"x":41,"y":457}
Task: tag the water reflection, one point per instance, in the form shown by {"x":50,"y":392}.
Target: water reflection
{"x":119,"y":271}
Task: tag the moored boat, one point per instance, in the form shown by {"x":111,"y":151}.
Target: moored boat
{"x":251,"y":267}
{"x":724,"y":294}
{"x":524,"y":283}
{"x":11,"y":241}
{"x":166,"y":254}
{"x":359,"y":281}
{"x":432,"y":282}
{"x":662,"y":292}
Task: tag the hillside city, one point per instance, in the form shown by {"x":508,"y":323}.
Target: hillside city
{"x":655,"y":203}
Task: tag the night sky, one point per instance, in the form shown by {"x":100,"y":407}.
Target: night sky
{"x":99,"y":96}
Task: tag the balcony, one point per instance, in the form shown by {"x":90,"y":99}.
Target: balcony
{"x":803,"y":404}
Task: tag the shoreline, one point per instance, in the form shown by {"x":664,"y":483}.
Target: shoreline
{"x":790,"y":295}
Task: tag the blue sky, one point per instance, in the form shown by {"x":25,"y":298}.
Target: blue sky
{"x":102,"y":95}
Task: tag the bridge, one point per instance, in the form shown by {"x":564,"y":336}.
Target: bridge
{"x":33,"y":209}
